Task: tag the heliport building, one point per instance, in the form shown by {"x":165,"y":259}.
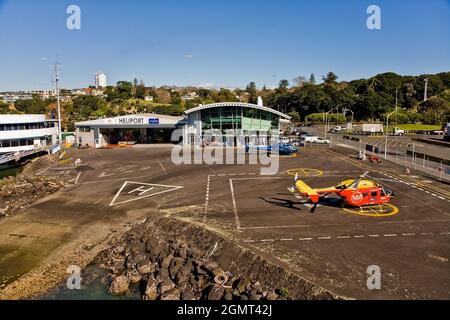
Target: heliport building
{"x":203,"y":124}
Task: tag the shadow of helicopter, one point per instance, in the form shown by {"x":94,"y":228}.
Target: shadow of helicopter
{"x":290,"y":204}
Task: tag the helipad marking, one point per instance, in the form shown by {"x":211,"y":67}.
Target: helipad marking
{"x":142,"y":190}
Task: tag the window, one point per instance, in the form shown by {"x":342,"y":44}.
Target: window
{"x":373,"y":194}
{"x":365,"y":194}
{"x":84,"y":129}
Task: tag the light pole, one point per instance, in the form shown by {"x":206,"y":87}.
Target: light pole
{"x":58,"y":104}
{"x":353,"y":116}
{"x":387,"y":133}
{"x":326,"y":122}
{"x":396,"y":107}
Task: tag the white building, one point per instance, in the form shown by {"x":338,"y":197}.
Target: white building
{"x":100,"y":80}
{"x":20,"y":132}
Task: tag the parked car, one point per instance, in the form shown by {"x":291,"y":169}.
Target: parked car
{"x":336,"y":129}
{"x":322,"y":141}
{"x":398,"y":132}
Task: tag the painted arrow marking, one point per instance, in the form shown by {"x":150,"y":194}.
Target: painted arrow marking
{"x":140,"y":190}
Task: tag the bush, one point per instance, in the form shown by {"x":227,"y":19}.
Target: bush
{"x":317,"y":118}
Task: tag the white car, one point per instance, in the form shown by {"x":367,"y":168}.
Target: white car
{"x":336,"y":129}
{"x":322,"y":141}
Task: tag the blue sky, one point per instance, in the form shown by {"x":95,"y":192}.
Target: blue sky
{"x":220,"y":42}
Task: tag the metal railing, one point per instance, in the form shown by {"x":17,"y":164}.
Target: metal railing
{"x":403,"y":157}
{"x":7,"y":157}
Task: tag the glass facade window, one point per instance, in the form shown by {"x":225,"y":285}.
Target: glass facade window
{"x":16,"y":143}
{"x":26,"y":126}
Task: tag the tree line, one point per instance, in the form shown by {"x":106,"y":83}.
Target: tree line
{"x":369,"y":99}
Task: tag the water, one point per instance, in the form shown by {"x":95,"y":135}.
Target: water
{"x":93,"y":287}
{"x":9,"y":172}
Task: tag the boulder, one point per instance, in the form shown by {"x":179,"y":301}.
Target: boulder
{"x":144,"y":267}
{"x":119,"y":285}
{"x":151,"y":290}
{"x":163,"y":274}
{"x":187,"y":295}
{"x":133,"y":275}
{"x":175,"y":265}
{"x":216,"y":293}
{"x":165,"y":263}
{"x":271,"y":295}
{"x":165,"y":286}
{"x":172,"y":295}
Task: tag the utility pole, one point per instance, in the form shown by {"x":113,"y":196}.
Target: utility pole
{"x":387,"y":133}
{"x":396,"y":107}
{"x":425,"y":97}
{"x":58,"y":104}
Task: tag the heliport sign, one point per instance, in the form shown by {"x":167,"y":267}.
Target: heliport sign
{"x":132,"y":120}
{"x":137,"y":121}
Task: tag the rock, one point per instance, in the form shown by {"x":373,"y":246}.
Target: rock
{"x":242,"y":284}
{"x":165,"y":286}
{"x":271,"y":295}
{"x":171,"y":295}
{"x":163,"y":274}
{"x":200,"y":271}
{"x":182,"y":253}
{"x":179,"y":278}
{"x":187,"y":295}
{"x":119,"y":285}
{"x":165,"y":263}
{"x":151,"y":245}
{"x":145,"y":267}
{"x":151,"y":290}
{"x":255,"y":297}
{"x":211,"y":266}
{"x":133,"y":275}
{"x":243,"y":297}
{"x":175,"y":265}
{"x":228,"y":295}
{"x":216,"y":293}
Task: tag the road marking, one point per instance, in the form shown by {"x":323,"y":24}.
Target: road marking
{"x":305,"y":239}
{"x":162,"y":167}
{"x":78,"y":177}
{"x":236,"y":217}
{"x":343,"y":237}
{"x":408,"y":234}
{"x":390,"y":235}
{"x":373,"y":235}
{"x":323,"y":238}
{"x":142,"y":194}
{"x":208,"y":181}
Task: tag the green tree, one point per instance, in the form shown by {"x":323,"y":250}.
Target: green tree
{"x":435,"y":110}
{"x":330,"y":78}
{"x":283,"y":84}
{"x":312,"y":79}
{"x":32,"y":106}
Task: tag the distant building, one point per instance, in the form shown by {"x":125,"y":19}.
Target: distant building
{"x":11,"y":98}
{"x":20,"y":132}
{"x":100,"y":80}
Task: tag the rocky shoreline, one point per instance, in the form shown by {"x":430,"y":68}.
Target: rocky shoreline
{"x":27,"y":187}
{"x":193,"y":263}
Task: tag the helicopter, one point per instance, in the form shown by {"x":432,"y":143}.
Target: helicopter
{"x":359,"y":192}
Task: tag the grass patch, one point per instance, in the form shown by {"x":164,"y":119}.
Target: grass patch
{"x":415,"y":127}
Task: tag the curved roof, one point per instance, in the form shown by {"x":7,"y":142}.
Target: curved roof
{"x":237,"y":104}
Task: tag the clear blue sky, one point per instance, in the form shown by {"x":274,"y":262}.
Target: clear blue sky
{"x":220,"y":42}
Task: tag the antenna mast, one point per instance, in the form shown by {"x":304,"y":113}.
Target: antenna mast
{"x":58,"y":104}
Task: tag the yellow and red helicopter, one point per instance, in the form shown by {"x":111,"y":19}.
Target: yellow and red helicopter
{"x":363,"y":191}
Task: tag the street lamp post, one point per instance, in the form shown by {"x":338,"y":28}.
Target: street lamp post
{"x":353,"y":116}
{"x":387,"y":133}
{"x":326,"y":122}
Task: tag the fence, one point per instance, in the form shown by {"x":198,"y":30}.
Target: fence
{"x":400,"y":156}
